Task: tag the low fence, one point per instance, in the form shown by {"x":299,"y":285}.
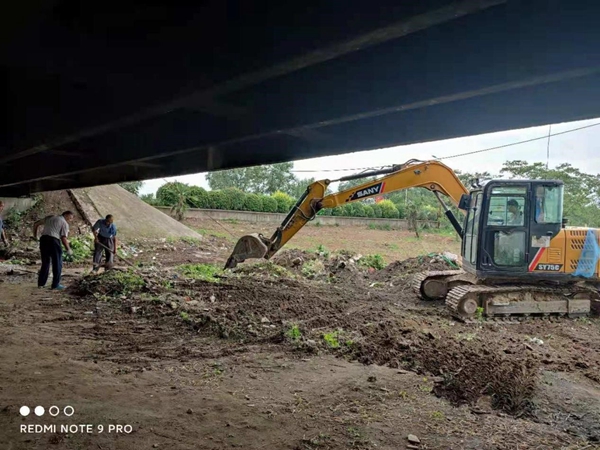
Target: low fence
{"x":277,"y":218}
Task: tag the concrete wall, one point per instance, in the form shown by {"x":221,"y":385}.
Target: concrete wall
{"x":277,"y":218}
{"x":21,"y":204}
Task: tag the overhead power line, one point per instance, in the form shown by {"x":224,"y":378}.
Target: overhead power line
{"x":547,"y":136}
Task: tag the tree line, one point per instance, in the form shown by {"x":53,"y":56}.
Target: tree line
{"x":274,"y":188}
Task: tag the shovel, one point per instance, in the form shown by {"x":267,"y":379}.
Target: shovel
{"x":115,"y":253}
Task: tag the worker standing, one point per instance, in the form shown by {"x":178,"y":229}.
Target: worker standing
{"x":2,"y":232}
{"x":105,"y":233}
{"x":55,"y":232}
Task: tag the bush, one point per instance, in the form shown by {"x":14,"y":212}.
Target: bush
{"x":374,"y":261}
{"x":168,"y":193}
{"x":388,"y":210}
{"x":269,"y":204}
{"x":348,"y":210}
{"x":197,"y":197}
{"x":377,"y":211}
{"x":253,"y":202}
{"x":369,"y":211}
{"x":218,"y":200}
{"x":284,"y":201}
{"x":337,"y":211}
{"x":358,"y":210}
{"x":236,"y":198}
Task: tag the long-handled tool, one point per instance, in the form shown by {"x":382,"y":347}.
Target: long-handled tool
{"x":117,"y":255}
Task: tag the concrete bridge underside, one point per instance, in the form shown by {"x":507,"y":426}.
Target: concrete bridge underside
{"x":103,"y":92}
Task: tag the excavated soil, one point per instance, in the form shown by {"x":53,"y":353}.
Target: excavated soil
{"x":370,"y":363}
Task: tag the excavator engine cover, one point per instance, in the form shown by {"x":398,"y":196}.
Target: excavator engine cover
{"x":249,"y":246}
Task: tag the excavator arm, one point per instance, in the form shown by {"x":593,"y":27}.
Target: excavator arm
{"x":431,"y":175}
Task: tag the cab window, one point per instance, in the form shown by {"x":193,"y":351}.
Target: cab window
{"x":507,"y":206}
{"x":548,"y":204}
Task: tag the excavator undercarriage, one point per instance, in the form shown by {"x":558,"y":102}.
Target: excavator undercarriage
{"x":470,"y":298}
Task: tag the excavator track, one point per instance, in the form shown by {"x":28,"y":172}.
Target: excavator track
{"x":469,"y":302}
{"x":435,"y":284}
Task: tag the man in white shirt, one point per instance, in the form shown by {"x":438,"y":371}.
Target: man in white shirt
{"x":55,"y":232}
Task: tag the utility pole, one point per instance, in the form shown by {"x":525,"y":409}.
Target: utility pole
{"x":548,"y":147}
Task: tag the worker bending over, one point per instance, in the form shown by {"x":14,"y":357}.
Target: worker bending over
{"x":56,"y":230}
{"x":105,"y":239}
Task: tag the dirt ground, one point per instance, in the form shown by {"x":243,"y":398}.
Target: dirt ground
{"x":393,"y":245}
{"x":309,"y":351}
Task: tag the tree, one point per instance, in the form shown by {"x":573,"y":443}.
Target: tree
{"x":132,"y":186}
{"x":257,"y":180}
{"x":148,"y":198}
{"x":169,"y":193}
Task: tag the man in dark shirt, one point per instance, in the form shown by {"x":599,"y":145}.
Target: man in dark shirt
{"x":105,"y":233}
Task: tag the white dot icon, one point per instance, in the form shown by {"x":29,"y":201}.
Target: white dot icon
{"x":39,"y":411}
{"x":53,"y":411}
{"x":24,"y":410}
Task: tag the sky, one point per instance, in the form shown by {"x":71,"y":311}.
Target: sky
{"x":579,"y":148}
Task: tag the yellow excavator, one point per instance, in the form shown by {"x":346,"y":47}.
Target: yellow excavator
{"x":518,"y":257}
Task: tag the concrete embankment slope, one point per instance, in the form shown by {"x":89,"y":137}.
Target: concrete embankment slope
{"x":134,"y":218}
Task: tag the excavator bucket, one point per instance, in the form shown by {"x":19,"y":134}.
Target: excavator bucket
{"x":249,"y":246}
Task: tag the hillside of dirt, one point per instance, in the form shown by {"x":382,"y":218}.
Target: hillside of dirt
{"x":312,"y":350}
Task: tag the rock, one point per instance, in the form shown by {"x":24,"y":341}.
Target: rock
{"x":265,"y":320}
{"x":582,"y":365}
{"x":154,"y":445}
{"x":297,"y":262}
{"x":528,"y":347}
{"x":412,"y":446}
{"x":173,"y":305}
{"x":413,"y":439}
{"x":134,"y":309}
{"x":311,"y":343}
{"x":190,"y":411}
{"x":212,"y":298}
{"x":372,"y":379}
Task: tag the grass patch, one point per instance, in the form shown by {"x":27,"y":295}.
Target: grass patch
{"x":82,"y":248}
{"x":374,"y":261}
{"x":184,"y":316}
{"x":204,"y":272}
{"x":112,"y":283}
{"x":380,"y":226}
{"x":310,"y":269}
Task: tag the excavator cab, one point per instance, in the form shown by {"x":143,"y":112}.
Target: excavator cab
{"x":508,"y":223}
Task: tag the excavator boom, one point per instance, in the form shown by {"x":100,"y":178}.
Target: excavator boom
{"x":431,"y":175}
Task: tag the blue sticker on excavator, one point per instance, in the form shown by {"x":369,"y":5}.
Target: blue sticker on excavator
{"x":588,"y":261}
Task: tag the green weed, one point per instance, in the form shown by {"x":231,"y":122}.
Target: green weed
{"x":184,"y":316}
{"x":204,"y":272}
{"x":375,"y":261}
{"x":321,"y":250}
{"x":331,"y":339}
{"x":479,"y":313}
{"x":438,"y":415}
{"x":293,"y":333}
